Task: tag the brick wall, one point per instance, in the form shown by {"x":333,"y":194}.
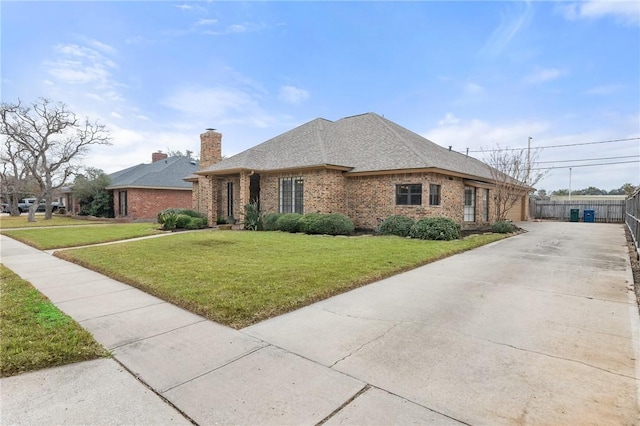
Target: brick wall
{"x":367,"y":200}
{"x":373,"y":198}
{"x":146,"y":203}
{"x":324,"y":191}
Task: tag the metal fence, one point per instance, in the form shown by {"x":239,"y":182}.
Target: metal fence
{"x":633,"y":217}
{"x":607,"y":211}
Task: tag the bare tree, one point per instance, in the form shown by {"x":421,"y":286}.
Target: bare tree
{"x":14,"y":176}
{"x":515,"y":173}
{"x":44,"y":141}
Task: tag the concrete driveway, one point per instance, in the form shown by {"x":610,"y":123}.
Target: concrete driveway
{"x":538,"y":329}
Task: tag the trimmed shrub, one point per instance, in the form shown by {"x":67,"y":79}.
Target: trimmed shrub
{"x":288,"y":222}
{"x":195,"y":223}
{"x":162,"y":215}
{"x":334,"y":224}
{"x":502,"y":227}
{"x":396,"y":225}
{"x":307,"y":223}
{"x":269,"y":221}
{"x":435,"y":228}
{"x":182,"y":220}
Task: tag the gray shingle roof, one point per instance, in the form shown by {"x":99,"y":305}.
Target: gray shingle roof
{"x":361,"y":143}
{"x":167,"y":173}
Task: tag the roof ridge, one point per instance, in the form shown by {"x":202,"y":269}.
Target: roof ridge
{"x":321,"y":141}
{"x":392,"y":130}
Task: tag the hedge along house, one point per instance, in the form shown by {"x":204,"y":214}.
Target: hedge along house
{"x":365,"y":167}
{"x":141,"y":191}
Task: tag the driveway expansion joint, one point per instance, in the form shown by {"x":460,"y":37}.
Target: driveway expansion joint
{"x":118,"y":312}
{"x":158,"y":334}
{"x":231,"y":361}
{"x":151,"y":389}
{"x":346,"y":403}
{"x":551,"y":356}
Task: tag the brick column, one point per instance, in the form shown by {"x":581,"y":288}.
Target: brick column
{"x":245,"y":180}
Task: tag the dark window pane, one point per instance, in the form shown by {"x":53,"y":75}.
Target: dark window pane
{"x":409,"y":194}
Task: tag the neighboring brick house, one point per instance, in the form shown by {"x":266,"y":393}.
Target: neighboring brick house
{"x":365,"y":167}
{"x":141,"y":191}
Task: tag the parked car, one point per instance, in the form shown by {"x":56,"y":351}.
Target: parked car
{"x":25,"y":204}
{"x":5,"y":208}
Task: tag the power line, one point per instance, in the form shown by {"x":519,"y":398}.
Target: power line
{"x":586,"y":165}
{"x":558,"y":146}
{"x":588,"y":159}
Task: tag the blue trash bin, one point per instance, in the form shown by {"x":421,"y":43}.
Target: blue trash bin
{"x":590,"y":216}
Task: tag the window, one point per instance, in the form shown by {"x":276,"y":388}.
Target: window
{"x":291,"y":195}
{"x":434,"y":195}
{"x":230,"y":199}
{"x":122,"y":203}
{"x":485,"y":205}
{"x":469,"y":204}
{"x":409,"y":195}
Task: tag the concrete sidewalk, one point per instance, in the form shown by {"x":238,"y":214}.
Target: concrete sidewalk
{"x":537,"y":329}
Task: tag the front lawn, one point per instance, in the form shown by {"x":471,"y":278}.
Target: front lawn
{"x":35,"y":334}
{"x":240,"y":278}
{"x":52,"y":238}
{"x":8,"y":222}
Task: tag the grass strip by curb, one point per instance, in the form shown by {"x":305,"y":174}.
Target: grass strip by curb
{"x":34,"y":333}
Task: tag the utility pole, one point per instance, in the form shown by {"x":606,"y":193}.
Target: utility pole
{"x":569,"y":184}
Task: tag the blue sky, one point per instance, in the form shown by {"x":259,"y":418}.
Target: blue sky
{"x":465,"y":74}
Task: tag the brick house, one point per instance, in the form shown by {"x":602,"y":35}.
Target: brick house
{"x":364,"y":166}
{"x":141,"y":191}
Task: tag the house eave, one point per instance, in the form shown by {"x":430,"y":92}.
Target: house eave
{"x":172,"y":188}
{"x":239,"y":170}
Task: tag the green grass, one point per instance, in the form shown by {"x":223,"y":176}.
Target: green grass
{"x":51,"y":238}
{"x":34,"y":333}
{"x":8,"y":222}
{"x":240,"y":278}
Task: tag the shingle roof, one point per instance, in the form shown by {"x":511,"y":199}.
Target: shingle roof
{"x":167,"y":173}
{"x":361,"y":143}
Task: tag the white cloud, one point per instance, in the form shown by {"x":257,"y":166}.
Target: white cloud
{"x":220,"y":105}
{"x":448,"y":120}
{"x":511,"y":22}
{"x":115,"y":115}
{"x":292,"y":95}
{"x":105,"y":48}
{"x":190,"y":7}
{"x":541,"y":75}
{"x":481,"y":135}
{"x":604,"y":90}
{"x":477,"y":134}
{"x":237,"y":29}
{"x":202,"y":22}
{"x":85,"y":65}
{"x":473,"y":88}
{"x":623,"y":11}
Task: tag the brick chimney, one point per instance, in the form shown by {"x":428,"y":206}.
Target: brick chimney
{"x":210,"y":148}
{"x":157,"y":156}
